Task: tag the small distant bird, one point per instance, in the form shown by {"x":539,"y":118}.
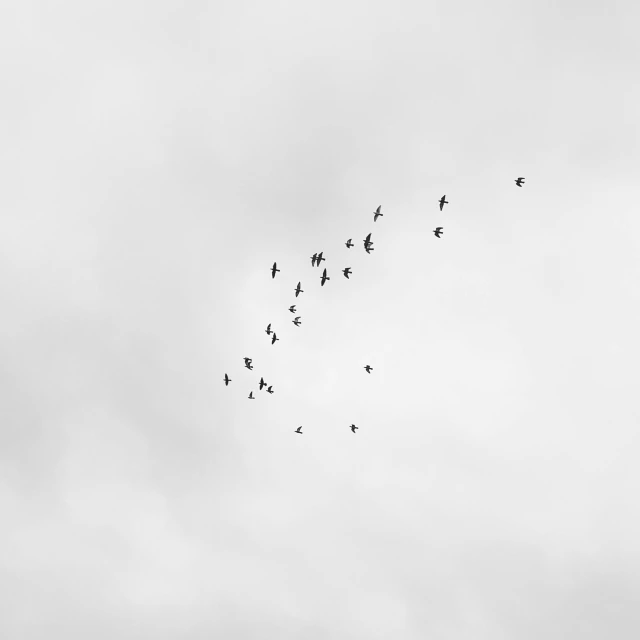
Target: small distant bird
{"x":262,"y":383}
{"x":319,"y":259}
{"x":274,"y":270}
{"x":369,"y":368}
{"x":353,"y":428}
{"x":367,"y":240}
{"x":369,"y":248}
{"x":273,"y":340}
{"x":442,"y":202}
{"x":249,"y":366}
{"x":298,"y":430}
{"x":292,"y":308}
{"x":269,"y":389}
{"x":268,"y":329}
{"x":438,"y":231}
{"x":296,"y":321}
{"x":377,"y":214}
{"x":314,"y":258}
{"x":346,"y":272}
{"x":324,"y":277}
{"x":298,"y":291}
{"x":251,"y":395}
{"x":519,"y":181}
{"x":227,"y":380}
{"x":349,"y":244}
{"x":248,"y":360}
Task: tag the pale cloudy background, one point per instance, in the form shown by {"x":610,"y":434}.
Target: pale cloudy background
{"x":157,"y":157}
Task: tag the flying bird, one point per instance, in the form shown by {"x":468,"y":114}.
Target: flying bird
{"x":353,"y":428}
{"x":320,"y":259}
{"x":349,"y":244}
{"x":227,"y":380}
{"x":314,"y":258}
{"x":248,"y":360}
{"x":273,"y":340}
{"x":269,"y":389}
{"x":249,"y":366}
{"x":298,"y":291}
{"x":442,"y":202}
{"x":298,"y":430}
{"x":367,"y":240}
{"x":268,"y":329}
{"x":292,"y":308}
{"x":296,"y":321}
{"x":274,"y":270}
{"x":369,"y":368}
{"x":251,"y":395}
{"x":438,"y":231}
{"x":519,"y":181}
{"x":377,"y":214}
{"x":368,"y":248}
{"x":262,"y":383}
{"x":346,"y":272}
{"x":324,"y":277}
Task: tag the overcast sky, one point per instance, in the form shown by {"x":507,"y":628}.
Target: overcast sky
{"x":157,"y":158}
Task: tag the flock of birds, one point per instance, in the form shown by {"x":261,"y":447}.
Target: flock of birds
{"x":316,"y":259}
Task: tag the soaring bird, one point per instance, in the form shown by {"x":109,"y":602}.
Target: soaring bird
{"x":292,"y":308}
{"x":251,"y":395}
{"x":320,"y":258}
{"x":262,"y":383}
{"x":314,"y":257}
{"x":274,"y":270}
{"x":296,"y":321}
{"x":298,"y":291}
{"x":349,"y":244}
{"x":227,"y":380}
{"x":273,"y":340}
{"x":324,"y":277}
{"x":519,"y":181}
{"x":442,"y":202}
{"x":438,"y":231}
{"x":269,"y":389}
{"x":268,"y":329}
{"x":346,"y":272}
{"x":369,"y":368}
{"x":298,"y":430}
{"x":353,"y":428}
{"x":377,"y":214}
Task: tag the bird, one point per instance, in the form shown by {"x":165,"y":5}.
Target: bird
{"x":274,"y":270}
{"x":269,"y":389}
{"x":262,"y":383}
{"x":367,"y":241}
{"x":349,"y":244}
{"x":369,"y":368}
{"x":519,"y":181}
{"x":320,"y":259}
{"x":346,"y":272}
{"x":251,"y":395}
{"x":353,"y":428}
{"x":369,"y":248}
{"x":377,"y":214}
{"x":437,"y":231}
{"x":442,"y":202}
{"x":292,"y":308}
{"x":296,"y":321}
{"x":324,"y":277}
{"x":273,"y":340}
{"x":249,"y":360}
{"x":227,"y":380}
{"x":298,"y":290}
{"x":298,"y":430}
{"x":314,"y":257}
{"x":268,"y":329}
{"x":249,"y":366}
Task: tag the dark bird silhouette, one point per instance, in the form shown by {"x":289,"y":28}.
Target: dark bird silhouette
{"x":296,"y":321}
{"x":274,"y":270}
{"x":442,"y":202}
{"x":314,"y":259}
{"x":320,"y":259}
{"x":349,"y":244}
{"x":298,"y":291}
{"x":268,"y":329}
{"x":251,"y":395}
{"x":367,"y":240}
{"x":227,"y":380}
{"x":273,"y":340}
{"x":248,"y":360}
{"x":324,"y":277}
{"x":369,"y":368}
{"x":249,"y":366}
{"x":262,"y":383}
{"x":269,"y":389}
{"x":298,"y":430}
{"x":368,"y":248}
{"x":519,"y":181}
{"x":346,"y":272}
{"x":377,"y":214}
{"x":438,"y":231}
{"x":353,"y":428}
{"x":292,"y":308}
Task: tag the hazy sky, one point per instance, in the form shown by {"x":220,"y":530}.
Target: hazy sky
{"x":157,"y":158}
